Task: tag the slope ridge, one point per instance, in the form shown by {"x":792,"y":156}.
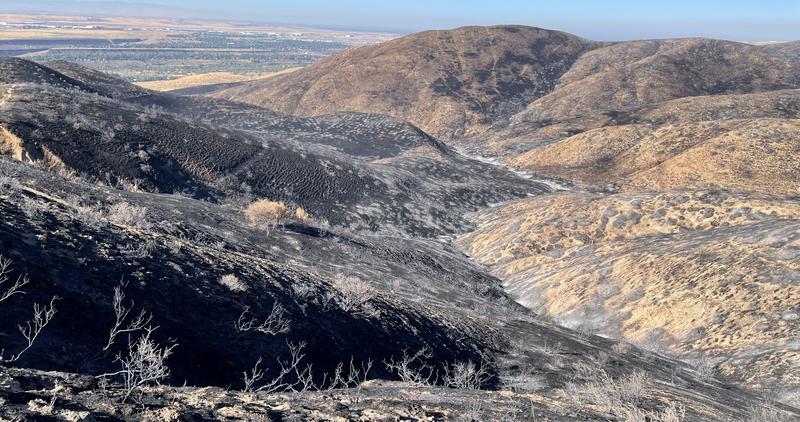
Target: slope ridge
{"x":451,"y":83}
{"x":330,"y":165}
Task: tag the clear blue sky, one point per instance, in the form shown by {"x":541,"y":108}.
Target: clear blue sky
{"x":610,"y":19}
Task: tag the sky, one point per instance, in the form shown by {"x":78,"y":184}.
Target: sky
{"x":764,"y":20}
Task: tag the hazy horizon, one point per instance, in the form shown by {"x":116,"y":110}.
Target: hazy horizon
{"x":774,"y":20}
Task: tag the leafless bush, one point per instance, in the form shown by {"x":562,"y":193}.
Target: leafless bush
{"x":792,"y":398}
{"x":674,"y":412}
{"x":126,"y":214}
{"x":42,"y":315}
{"x":519,"y":410}
{"x":9,"y":185}
{"x":414,"y":369}
{"x":525,"y":380}
{"x":31,"y":208}
{"x":264,"y":213}
{"x":610,"y":394}
{"x":621,"y":347}
{"x":632,"y":414}
{"x":549,"y":349}
{"x":123,"y":324}
{"x":327,"y":301}
{"x":276,"y":323}
{"x":16,"y":287}
{"x":466,"y":375}
{"x":705,"y":368}
{"x":583,"y":370}
{"x":89,"y":215}
{"x":134,"y":185}
{"x":291,"y":375}
{"x":141,"y":249}
{"x":233,"y":283}
{"x":633,"y":386}
{"x":144,"y":364}
{"x":349,"y":383}
{"x":355,"y":293}
{"x":302,"y":291}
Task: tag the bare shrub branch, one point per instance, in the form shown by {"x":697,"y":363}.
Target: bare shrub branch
{"x":42,"y":315}
{"x":355,"y":293}
{"x":14,"y":289}
{"x":350,"y":384}
{"x":414,"y":369}
{"x":122,"y":312}
{"x":283,"y":381}
{"x":466,"y":375}
{"x":276,"y":323}
{"x":145,"y":363}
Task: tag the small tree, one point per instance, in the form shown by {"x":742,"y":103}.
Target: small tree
{"x":267,"y":213}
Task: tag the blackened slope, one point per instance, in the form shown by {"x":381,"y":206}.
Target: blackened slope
{"x":103,"y":83}
{"x":173,"y":270}
{"x":334,"y":167}
{"x":14,"y":71}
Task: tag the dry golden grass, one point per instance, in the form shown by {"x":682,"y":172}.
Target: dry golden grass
{"x":10,"y":144}
{"x":204,"y":79}
{"x":573,"y":219}
{"x":302,"y":215}
{"x":750,"y":155}
{"x":685,"y":271}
